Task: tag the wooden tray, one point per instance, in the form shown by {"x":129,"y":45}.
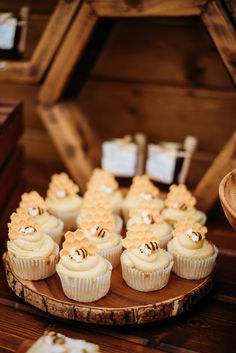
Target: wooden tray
{"x":122,"y":305}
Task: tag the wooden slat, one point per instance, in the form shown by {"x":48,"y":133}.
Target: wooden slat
{"x":171,"y":52}
{"x":68,"y":141}
{"x":222,"y":33}
{"x":149,"y":8}
{"x":35,"y":6}
{"x":68,"y":55}
{"x":31,"y":328}
{"x":10,"y":174}
{"x":161,"y":112}
{"x":33,"y":70}
{"x":207,"y":189}
{"x":11,"y":127}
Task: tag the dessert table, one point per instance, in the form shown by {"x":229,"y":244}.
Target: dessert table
{"x":209,"y":326}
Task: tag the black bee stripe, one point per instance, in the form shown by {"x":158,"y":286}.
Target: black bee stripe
{"x":148,"y":246}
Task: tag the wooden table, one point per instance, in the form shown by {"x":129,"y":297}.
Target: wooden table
{"x":209,"y":327}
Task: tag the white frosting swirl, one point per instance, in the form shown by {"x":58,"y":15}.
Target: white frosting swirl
{"x":36,"y":245}
{"x":110,"y":240}
{"x":47,"y":222}
{"x":173,"y":215}
{"x":91,"y":267}
{"x":132,"y":202}
{"x":147,"y":263}
{"x":183,"y":245}
{"x":68,"y":203}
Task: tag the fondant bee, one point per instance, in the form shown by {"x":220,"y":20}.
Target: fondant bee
{"x":100,"y":232}
{"x":182,"y":206}
{"x":196,"y":236}
{"x":149,"y":247}
{"x":82,"y":252}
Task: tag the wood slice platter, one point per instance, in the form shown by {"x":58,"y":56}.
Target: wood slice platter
{"x":121,"y":306}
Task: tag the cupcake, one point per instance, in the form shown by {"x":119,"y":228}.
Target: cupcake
{"x":99,"y":225}
{"x":35,"y":206}
{"x":141,"y":189}
{"x":32,"y":253}
{"x":98,"y":199}
{"x":62,"y":200}
{"x":85,"y":276}
{"x":180,"y":205}
{"x":194,"y":256}
{"x":147,"y":214}
{"x":102,"y":180}
{"x":52,"y":342}
{"x":145,"y":266}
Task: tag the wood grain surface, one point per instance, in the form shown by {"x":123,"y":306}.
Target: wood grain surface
{"x":208,"y":327}
{"x":122,"y":305}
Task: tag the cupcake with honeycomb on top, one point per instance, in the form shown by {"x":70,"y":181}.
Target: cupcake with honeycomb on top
{"x":180,"y":204}
{"x":85,"y":275}
{"x":99,"y":226}
{"x":147,"y":214}
{"x":54,"y":342}
{"x":141,"y":189}
{"x":96,"y":199}
{"x":32,"y":253}
{"x":35,"y":206}
{"x":145,"y":266}
{"x":103,"y":181}
{"x":63,"y":200}
{"x":194,"y":256}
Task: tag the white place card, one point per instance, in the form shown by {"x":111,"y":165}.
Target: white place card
{"x":7,"y":31}
{"x":119,"y":158}
{"x":161,"y":163}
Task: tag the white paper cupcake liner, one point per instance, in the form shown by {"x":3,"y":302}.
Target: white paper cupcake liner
{"x":164,"y":239}
{"x":56,"y":233}
{"x":68,"y":218}
{"x":146,"y":281}
{"x":118,"y":224}
{"x":112,"y":254}
{"x":86,"y":290}
{"x":34,"y":269}
{"x":189,"y":268}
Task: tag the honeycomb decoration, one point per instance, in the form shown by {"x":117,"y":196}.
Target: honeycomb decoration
{"x":61,"y":186}
{"x":180,"y":197}
{"x":21,"y":224}
{"x":32,"y":203}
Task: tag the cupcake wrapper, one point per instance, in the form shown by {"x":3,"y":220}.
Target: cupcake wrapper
{"x":34,"y":269}
{"x":119,"y":224}
{"x":68,"y":218}
{"x":56,"y":233}
{"x":146,"y":281}
{"x":189,"y":268}
{"x":164,"y":239}
{"x":112,"y":254}
{"x":86,"y":290}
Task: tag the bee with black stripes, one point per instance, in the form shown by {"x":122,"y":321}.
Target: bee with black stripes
{"x":149,"y":247}
{"x":100,"y":232}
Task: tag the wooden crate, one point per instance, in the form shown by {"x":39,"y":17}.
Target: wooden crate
{"x":11,"y":127}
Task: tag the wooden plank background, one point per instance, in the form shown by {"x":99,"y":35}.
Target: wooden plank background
{"x":163,"y":77}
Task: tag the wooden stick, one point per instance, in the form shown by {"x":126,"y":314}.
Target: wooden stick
{"x":190,"y":145}
{"x":141,"y":140}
